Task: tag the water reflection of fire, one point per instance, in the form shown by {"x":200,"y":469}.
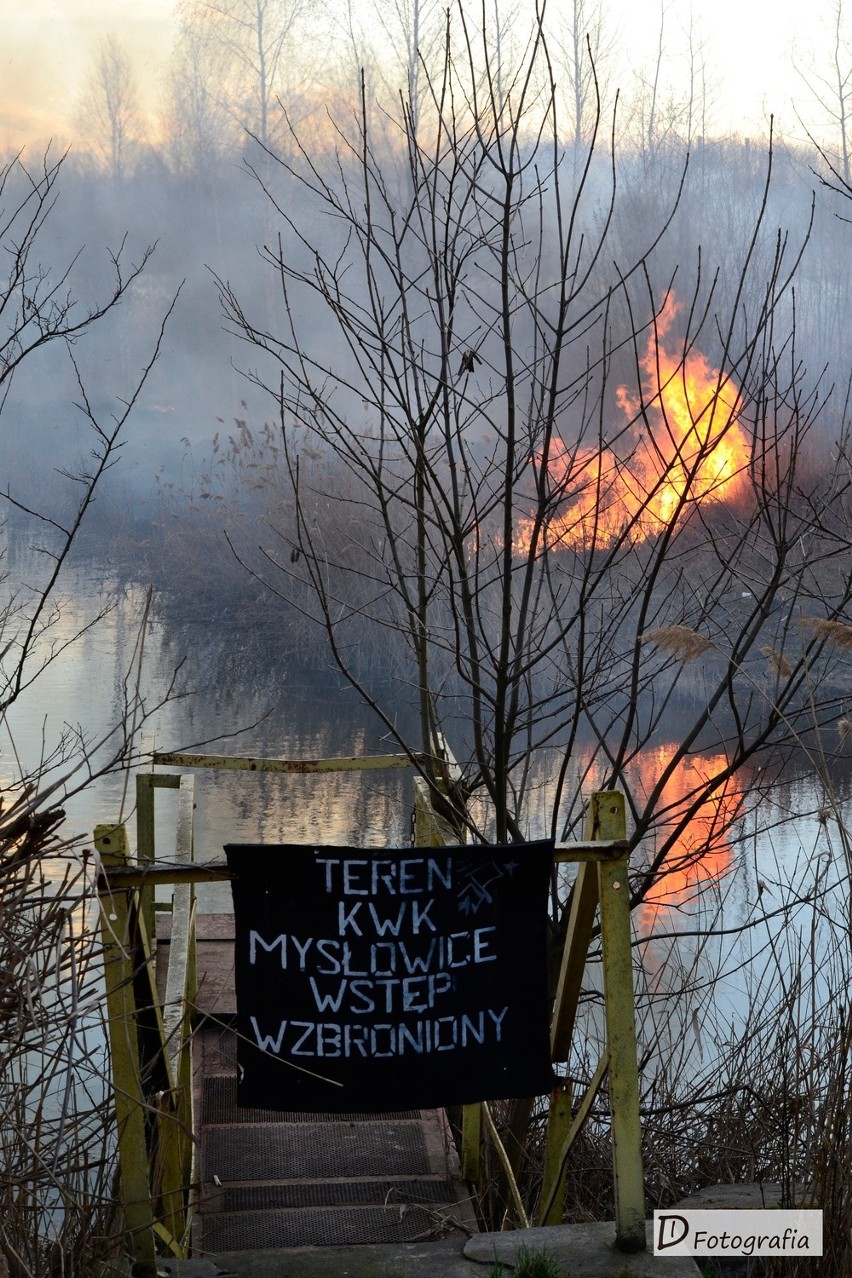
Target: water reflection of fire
{"x":702,"y":855}
{"x":686,"y":446}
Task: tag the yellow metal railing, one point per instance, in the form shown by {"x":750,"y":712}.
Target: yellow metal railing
{"x":150,"y":1031}
{"x":151,"y":1038}
{"x":600,"y":891}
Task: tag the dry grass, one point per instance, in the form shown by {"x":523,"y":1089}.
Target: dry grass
{"x":764,"y":1096}
{"x":837,"y":633}
{"x":56,"y":1161}
{"x":777,"y":663}
{"x":681,"y":641}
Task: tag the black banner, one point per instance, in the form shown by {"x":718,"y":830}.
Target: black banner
{"x":372,"y":980}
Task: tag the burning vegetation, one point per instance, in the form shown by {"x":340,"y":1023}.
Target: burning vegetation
{"x":685,"y":445}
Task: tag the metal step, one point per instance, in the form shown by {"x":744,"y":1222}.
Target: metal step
{"x":324,"y":1227}
{"x":219,"y":1105}
{"x":275,"y":1180}
{"x":414,"y":1191}
{"x":299,"y":1151}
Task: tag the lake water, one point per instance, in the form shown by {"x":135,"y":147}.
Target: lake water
{"x":229,"y":696}
{"x":705,"y":930}
{"x":239,"y":708}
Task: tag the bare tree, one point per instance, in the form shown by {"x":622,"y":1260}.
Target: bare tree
{"x":201,"y":123}
{"x":415,"y":31}
{"x":665,"y":118}
{"x":40,"y":309}
{"x":584,"y":44}
{"x":109,"y":112}
{"x":583,"y":503}
{"x":652,"y":85}
{"x":503,"y":539}
{"x":55,"y":1148}
{"x":699,"y":104}
{"x":829,"y":82}
{"x":256,"y":38}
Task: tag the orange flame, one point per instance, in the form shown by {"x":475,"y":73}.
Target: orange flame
{"x":703,"y":853}
{"x":685,"y":446}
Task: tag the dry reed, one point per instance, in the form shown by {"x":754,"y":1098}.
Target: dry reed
{"x":837,"y":633}
{"x":681,"y":641}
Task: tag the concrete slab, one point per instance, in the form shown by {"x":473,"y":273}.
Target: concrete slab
{"x":582,"y":1251}
{"x":405,"y":1260}
{"x":764,"y":1194}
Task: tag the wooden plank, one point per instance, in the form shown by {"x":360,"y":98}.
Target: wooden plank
{"x":555,"y":1166}
{"x":148,"y":1003}
{"x":174,"y":1109}
{"x":215,"y":995}
{"x":174,"y":1005}
{"x":508,"y":1171}
{"x":128,"y":1099}
{"x":146,"y":851}
{"x":208,"y":927}
{"x":605,"y":829}
{"x":235,"y":763}
{"x":471,"y":1151}
{"x":118,"y":877}
{"x":431,"y":830}
{"x":589,"y":850}
{"x":217,"y":871}
{"x":185,"y":836}
{"x":581,"y":917}
{"x":620,"y":1013}
{"x":186,"y":1113}
{"x":583,"y":1110}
